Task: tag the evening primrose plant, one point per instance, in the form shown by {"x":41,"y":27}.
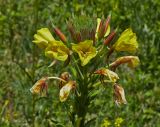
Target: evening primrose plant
{"x":86,"y":53}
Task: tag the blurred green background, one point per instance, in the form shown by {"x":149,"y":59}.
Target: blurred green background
{"x":22,"y":63}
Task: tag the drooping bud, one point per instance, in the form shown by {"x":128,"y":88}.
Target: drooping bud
{"x":65,"y":90}
{"x":113,"y":77}
{"x":119,"y":95}
{"x":39,"y":86}
{"x":60,"y":34}
{"x":132,"y":62}
{"x":65,"y":76}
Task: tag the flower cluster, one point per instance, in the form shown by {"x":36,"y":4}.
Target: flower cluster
{"x":87,"y":47}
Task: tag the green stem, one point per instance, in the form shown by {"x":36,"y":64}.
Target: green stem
{"x":82,"y":100}
{"x":57,"y":78}
{"x":78,"y":69}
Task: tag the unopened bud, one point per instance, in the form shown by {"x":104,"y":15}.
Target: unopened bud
{"x":101,"y":29}
{"x":109,"y":38}
{"x":132,"y":61}
{"x":65,"y":76}
{"x":78,"y":37}
{"x":60,"y":34}
{"x":72,"y":31}
{"x":107,"y":24}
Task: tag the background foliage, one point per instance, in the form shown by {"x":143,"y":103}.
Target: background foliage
{"x":22,"y":63}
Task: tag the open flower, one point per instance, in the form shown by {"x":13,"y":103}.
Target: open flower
{"x":43,"y":37}
{"x":127,"y":41}
{"x":85,"y":50}
{"x":113,"y":77}
{"x":65,"y":90}
{"x":132,"y":61}
{"x":39,"y":86}
{"x":57,"y":50}
{"x":119,"y":95}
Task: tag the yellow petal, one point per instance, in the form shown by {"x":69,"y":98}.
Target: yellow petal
{"x":46,"y":34}
{"x":134,"y":62}
{"x":127,"y":41}
{"x":98,"y":23}
{"x":85,"y":50}
{"x":43,"y":38}
{"x":57,"y":50}
{"x":108,"y":31}
{"x":41,"y":42}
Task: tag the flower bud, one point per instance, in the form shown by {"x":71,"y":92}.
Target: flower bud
{"x":109,"y":38}
{"x":60,"y":34}
{"x":72,"y":31}
{"x":132,"y":62}
{"x":103,"y":28}
{"x":106,"y":24}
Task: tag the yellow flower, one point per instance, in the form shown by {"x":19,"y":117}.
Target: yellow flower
{"x":127,"y":41}
{"x":119,"y":95}
{"x":65,"y":90}
{"x":43,"y":37}
{"x":39,"y":86}
{"x":106,"y":123}
{"x":85,"y":50}
{"x":57,"y":50}
{"x":132,"y":61}
{"x":118,"y":122}
{"x":110,"y":74}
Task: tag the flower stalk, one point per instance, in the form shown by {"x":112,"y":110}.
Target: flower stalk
{"x":86,"y":64}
